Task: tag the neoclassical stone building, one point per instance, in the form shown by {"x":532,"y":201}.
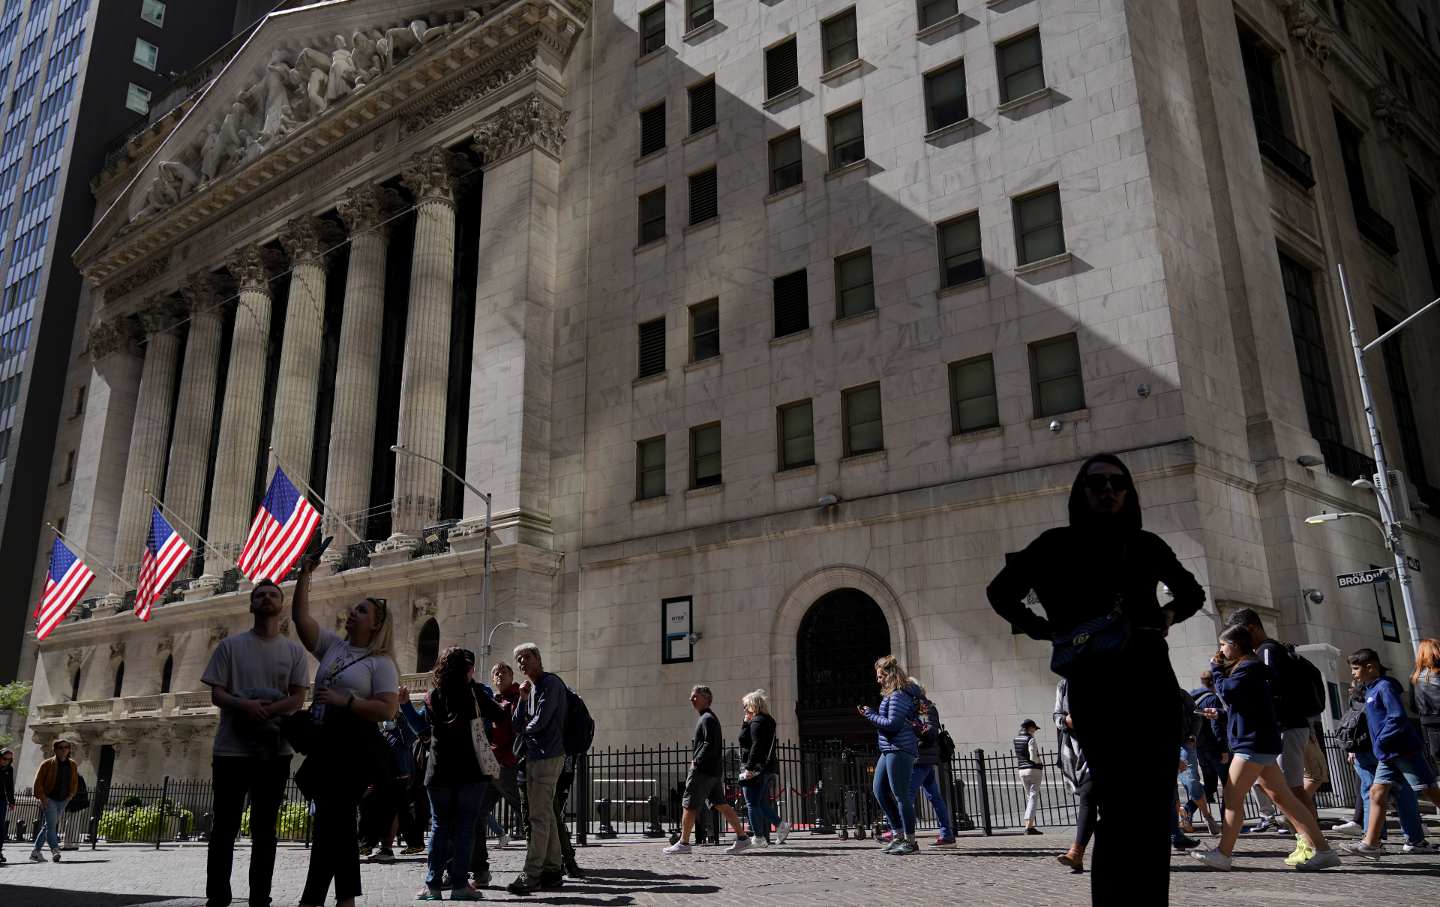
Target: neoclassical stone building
{"x":769,"y":327}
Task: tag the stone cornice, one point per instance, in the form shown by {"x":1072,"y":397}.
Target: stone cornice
{"x":534,"y":122}
{"x":139,"y":277}
{"x":472,"y":54}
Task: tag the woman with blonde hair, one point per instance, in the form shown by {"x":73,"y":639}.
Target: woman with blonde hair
{"x":899,"y":749}
{"x":757,"y":754}
{"x":1425,"y":687}
{"x":356,"y":687}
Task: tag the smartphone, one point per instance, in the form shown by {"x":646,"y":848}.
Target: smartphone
{"x":1200,"y":712}
{"x":320,"y":549}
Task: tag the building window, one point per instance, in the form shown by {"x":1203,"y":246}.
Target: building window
{"x":146,"y":54}
{"x":1022,"y":68}
{"x":782,"y":69}
{"x":973,"y":404}
{"x":698,"y":13}
{"x":167,"y":674}
{"x":5,"y":444}
{"x":79,"y":401}
{"x":1368,"y":221}
{"x":1395,"y":376}
{"x":650,"y":468}
{"x":69,"y":468}
{"x":796,"y":425}
{"x":792,"y":303}
{"x":75,"y":686}
{"x":137,"y":99}
{"x":1039,"y":233}
{"x":785,"y":167}
{"x":652,"y":347}
{"x":854,"y":284}
{"x":704,"y":196}
{"x":702,"y":106}
{"x":652,"y":29}
{"x":652,"y":129}
{"x":1424,"y":201}
{"x":1055,"y":369}
{"x":1385,"y":607}
{"x":935,"y":11}
{"x":427,"y":647}
{"x":945,"y":102}
{"x":1310,"y":352}
{"x":847,"y":137}
{"x":153,"y":11}
{"x":960,"y":259}
{"x":705,"y":330}
{"x":1262,"y":78}
{"x":860,"y":407}
{"x":705,"y":455}
{"x":119,"y":681}
{"x":840,"y":39}
{"x":652,"y":216}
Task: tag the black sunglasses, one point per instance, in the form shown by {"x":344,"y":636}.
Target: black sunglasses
{"x":1099,"y":483}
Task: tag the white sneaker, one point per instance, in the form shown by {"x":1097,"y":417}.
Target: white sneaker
{"x":1346,"y":830}
{"x":677,"y":847}
{"x":1361,"y":849}
{"x":782,"y":833}
{"x":1422,"y":847}
{"x":1213,"y":858}
{"x":740,"y":846}
{"x":758,"y":842}
{"x":1320,"y":859}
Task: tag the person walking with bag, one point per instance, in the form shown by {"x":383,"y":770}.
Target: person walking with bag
{"x":1077,"y":774}
{"x":1353,"y":734}
{"x":356,"y":687}
{"x":1096,"y":580}
{"x":759,"y":768}
{"x":898,"y":751}
{"x":56,"y":781}
{"x":460,"y":762}
{"x":1029,"y":770}
{"x":926,"y":774}
{"x":7,"y":795}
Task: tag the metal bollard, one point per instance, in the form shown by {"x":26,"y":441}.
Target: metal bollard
{"x":607,"y":830}
{"x":984,"y":792}
{"x":655,"y":829}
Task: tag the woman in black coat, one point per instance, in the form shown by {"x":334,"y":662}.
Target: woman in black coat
{"x":761,"y":766}
{"x":1096,"y":580}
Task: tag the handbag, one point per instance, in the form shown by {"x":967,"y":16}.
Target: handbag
{"x":81,"y":799}
{"x":1090,"y":643}
{"x":489,"y":765}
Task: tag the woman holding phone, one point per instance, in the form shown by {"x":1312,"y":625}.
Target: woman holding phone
{"x":898,"y":751}
{"x":1243,"y":683}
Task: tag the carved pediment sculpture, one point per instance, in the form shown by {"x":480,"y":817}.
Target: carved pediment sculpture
{"x":1389,"y":110}
{"x":117,"y":650}
{"x":74,"y":659}
{"x":532,"y":122}
{"x":1308,"y":29}
{"x":422,"y":607}
{"x":218,"y":633}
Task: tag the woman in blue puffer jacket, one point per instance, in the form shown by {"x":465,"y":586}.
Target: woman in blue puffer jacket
{"x":898,"y":752}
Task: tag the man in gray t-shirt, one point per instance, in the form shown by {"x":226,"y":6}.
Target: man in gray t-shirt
{"x":255,"y":679}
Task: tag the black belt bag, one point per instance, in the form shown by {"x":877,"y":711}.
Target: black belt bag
{"x":1089,"y":644}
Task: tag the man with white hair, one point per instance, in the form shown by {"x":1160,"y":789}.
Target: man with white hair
{"x":540,"y":720}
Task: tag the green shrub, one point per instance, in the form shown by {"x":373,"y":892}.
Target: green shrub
{"x":142,"y":823}
{"x":289,"y":824}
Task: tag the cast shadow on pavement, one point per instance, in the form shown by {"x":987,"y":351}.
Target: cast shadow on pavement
{"x":24,"y":895}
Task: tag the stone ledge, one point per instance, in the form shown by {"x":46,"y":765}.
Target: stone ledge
{"x":949,"y":129}
{"x":1026,"y":100}
{"x":781,"y":98}
{"x":841,"y":70}
{"x":786,"y":192}
{"x":867,"y":315}
{"x":790,"y":338}
{"x":1043,"y":263}
{"x":962,"y":287}
{"x":697,"y":136}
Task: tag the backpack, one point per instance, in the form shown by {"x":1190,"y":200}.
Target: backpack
{"x":579,"y":731}
{"x":81,"y":799}
{"x":1189,"y":721}
{"x":947,"y":745}
{"x":1303,"y":685}
{"x":1353,"y":734}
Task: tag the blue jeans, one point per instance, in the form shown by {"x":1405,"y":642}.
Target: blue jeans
{"x":49,"y":825}
{"x":454,"y":811}
{"x":762,"y":813}
{"x":1190,"y":778}
{"x":892,"y":791}
{"x":927,"y":778}
{"x":1406,"y":803}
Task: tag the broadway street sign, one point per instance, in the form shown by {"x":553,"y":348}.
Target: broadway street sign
{"x":1365,"y":577}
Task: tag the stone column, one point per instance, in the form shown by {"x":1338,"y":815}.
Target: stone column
{"x":232,"y":493}
{"x":195,"y":410}
{"x":424,"y":383}
{"x":357,"y":368}
{"x":298,"y":384}
{"x":145,"y":465}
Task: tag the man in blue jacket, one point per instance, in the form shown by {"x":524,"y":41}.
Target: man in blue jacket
{"x":1397,"y":745}
{"x":540,"y":719}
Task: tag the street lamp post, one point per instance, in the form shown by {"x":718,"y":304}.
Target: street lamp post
{"x":517,"y":624}
{"x":1389,"y":527}
{"x":485,"y":575}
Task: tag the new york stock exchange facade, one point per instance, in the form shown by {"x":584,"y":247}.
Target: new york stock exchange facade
{"x":415,"y":223}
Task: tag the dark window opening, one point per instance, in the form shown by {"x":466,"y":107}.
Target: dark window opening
{"x":782,"y":69}
{"x":652,"y":347}
{"x":792,"y":303}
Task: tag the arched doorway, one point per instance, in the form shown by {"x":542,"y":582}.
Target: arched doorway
{"x":427,"y":648}
{"x":838,"y":641}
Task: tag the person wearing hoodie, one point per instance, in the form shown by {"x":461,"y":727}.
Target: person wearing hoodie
{"x":1354,"y":736}
{"x":759,"y":768}
{"x":898,"y":751}
{"x":7,"y":793}
{"x":1029,"y":769}
{"x":1211,"y":744}
{"x":1397,"y":746}
{"x":1077,"y":774}
{"x":1425,"y":688}
{"x":926,"y":775}
{"x":1253,"y":731}
{"x":1100,"y":573}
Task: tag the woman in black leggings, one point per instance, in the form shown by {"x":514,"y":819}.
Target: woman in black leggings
{"x":1099,"y":576}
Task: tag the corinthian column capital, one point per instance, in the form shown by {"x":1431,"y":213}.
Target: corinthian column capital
{"x":307,"y":238}
{"x":531,"y":123}
{"x":161,"y":315}
{"x":432,"y":174}
{"x":251,"y":267}
{"x":113,"y":336}
{"x":364,"y":207}
{"x":201,"y":291}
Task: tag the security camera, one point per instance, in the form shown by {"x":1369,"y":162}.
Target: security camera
{"x":1055,"y":425}
{"x":693,"y":637}
{"x":829,"y":500}
{"x":1316,"y":596}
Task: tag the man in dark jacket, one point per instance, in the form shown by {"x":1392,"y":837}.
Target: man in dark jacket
{"x":539,"y":719}
{"x":704,"y":782}
{"x":1398,"y":749}
{"x":926,"y":774}
{"x":7,"y":793}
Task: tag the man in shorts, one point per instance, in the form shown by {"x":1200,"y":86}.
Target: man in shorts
{"x":1398,"y":747}
{"x":704,"y":784}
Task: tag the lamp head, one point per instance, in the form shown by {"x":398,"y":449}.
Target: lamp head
{"x":1319,"y":518}
{"x":1309,"y":461}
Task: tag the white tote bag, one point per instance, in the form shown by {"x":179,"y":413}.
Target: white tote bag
{"x":489,"y":765}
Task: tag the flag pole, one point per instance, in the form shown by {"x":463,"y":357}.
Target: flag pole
{"x":103,"y":566}
{"x":209,"y":549}
{"x":306,"y":485}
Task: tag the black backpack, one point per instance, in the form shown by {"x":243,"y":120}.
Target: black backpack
{"x":1353,"y":734}
{"x":81,"y":799}
{"x":947,"y":746}
{"x":579,"y":731}
{"x":1304,"y":685}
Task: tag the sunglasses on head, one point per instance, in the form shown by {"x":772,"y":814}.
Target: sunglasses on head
{"x":382,"y":609}
{"x":1098,"y":483}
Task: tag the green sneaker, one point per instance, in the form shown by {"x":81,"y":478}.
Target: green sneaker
{"x":1302,"y":852}
{"x":428,"y":894}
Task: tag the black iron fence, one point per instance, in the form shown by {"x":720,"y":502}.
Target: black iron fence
{"x":637,"y":791}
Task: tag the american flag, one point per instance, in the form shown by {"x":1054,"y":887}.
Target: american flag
{"x":67,"y":581}
{"x":165,"y":551}
{"x":282,"y":528}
